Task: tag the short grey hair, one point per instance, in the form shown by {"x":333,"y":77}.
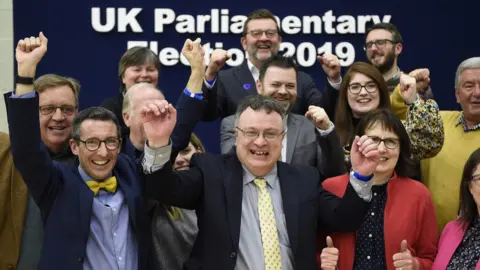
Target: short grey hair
{"x":260,"y":102}
{"x":470,"y":63}
{"x":128,"y":96}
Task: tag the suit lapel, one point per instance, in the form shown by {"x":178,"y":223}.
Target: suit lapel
{"x":292,"y":134}
{"x":233,"y":183}
{"x":290,"y":203}
{"x":85,"y":203}
{"x":246,"y":79}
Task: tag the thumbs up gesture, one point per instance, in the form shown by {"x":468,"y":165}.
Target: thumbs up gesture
{"x":329,"y":256}
{"x":408,"y":88}
{"x":404,"y":259}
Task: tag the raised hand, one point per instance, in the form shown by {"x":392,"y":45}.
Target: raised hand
{"x":404,"y":259}
{"x":408,"y":88}
{"x":329,"y":256}
{"x":331,"y":66}
{"x":193,"y":52}
{"x":422,"y":77}
{"x":318,"y":116}
{"x":158,"y":118}
{"x":364,"y":155}
{"x":217,"y":60}
{"x":29,"y":52}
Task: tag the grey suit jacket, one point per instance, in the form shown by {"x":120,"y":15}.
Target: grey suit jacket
{"x":304,"y":145}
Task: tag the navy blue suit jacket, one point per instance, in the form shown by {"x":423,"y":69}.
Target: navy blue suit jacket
{"x":64,"y":199}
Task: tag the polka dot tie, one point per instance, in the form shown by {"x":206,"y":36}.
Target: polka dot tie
{"x":268,"y":228}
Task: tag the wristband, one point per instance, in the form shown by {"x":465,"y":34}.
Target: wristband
{"x":24,"y":80}
{"x":198,"y":96}
{"x":363,"y":178}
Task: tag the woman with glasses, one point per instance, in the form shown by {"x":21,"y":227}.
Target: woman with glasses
{"x":363,"y":90}
{"x":399,"y":230}
{"x":459,"y":245}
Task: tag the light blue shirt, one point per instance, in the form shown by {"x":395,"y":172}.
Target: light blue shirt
{"x":111,"y":242}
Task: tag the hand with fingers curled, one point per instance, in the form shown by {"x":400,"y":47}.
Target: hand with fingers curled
{"x":159,"y":118}
{"x":217,"y":60}
{"x":364,"y":155}
{"x":422,"y":77}
{"x":331,"y":66}
{"x":404,"y":259}
{"x":29,"y":52}
{"x":408,"y":88}
{"x":329,"y":256}
{"x":193,"y":52}
{"x":318,"y":116}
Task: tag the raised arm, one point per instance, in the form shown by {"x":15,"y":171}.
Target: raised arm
{"x":159,"y":119}
{"x":213,"y":88}
{"x":191,"y":103}
{"x":330,"y":157}
{"x":30,"y":155}
{"x":423,"y":123}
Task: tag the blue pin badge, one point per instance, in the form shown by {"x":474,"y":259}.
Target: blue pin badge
{"x":246,"y":86}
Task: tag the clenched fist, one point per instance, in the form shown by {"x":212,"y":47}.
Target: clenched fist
{"x":408,"y":88}
{"x":318,"y":116}
{"x":217,"y":60}
{"x":422,"y":76}
{"x":28,"y":54}
{"x":331,"y":66}
{"x":193,"y":52}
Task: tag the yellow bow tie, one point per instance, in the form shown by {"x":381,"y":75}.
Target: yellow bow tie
{"x":109,"y":185}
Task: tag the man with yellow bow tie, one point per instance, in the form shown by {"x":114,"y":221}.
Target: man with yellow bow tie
{"x":94,"y":214}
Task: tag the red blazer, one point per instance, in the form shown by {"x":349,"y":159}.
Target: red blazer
{"x":409,"y":215}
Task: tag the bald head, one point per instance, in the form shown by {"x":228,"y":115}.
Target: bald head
{"x":133,"y":101}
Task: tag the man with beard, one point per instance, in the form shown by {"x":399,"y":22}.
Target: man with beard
{"x":383,"y":45}
{"x":304,"y":142}
{"x":261,"y":40}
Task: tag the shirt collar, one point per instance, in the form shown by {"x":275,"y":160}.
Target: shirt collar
{"x":461,"y":120}
{"x":270,"y":177}
{"x":253,"y":69}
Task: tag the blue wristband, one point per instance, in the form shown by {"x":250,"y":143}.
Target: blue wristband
{"x":198,"y":96}
{"x":363,"y":178}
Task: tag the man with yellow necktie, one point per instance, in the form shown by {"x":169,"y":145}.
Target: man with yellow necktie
{"x":93,"y":212}
{"x":255,"y":212}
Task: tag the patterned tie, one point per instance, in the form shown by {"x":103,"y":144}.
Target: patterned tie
{"x":268,"y":228}
{"x":109,"y":185}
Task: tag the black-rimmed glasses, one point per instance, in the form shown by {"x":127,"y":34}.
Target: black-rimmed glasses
{"x":356,"y":88}
{"x":93,"y":144}
{"x":380,"y":43}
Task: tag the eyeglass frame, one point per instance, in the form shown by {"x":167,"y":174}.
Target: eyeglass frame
{"x":380,"y":140}
{"x":362,"y":86}
{"x":40,"y":108}
{"x":258,"y":134}
{"x":119,"y":140}
{"x":275,"y":33}
{"x":366,"y":48}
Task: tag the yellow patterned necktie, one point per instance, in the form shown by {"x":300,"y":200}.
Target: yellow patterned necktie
{"x":109,"y":185}
{"x":268,"y":228}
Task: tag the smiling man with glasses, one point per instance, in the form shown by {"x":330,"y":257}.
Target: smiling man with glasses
{"x":383,"y":46}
